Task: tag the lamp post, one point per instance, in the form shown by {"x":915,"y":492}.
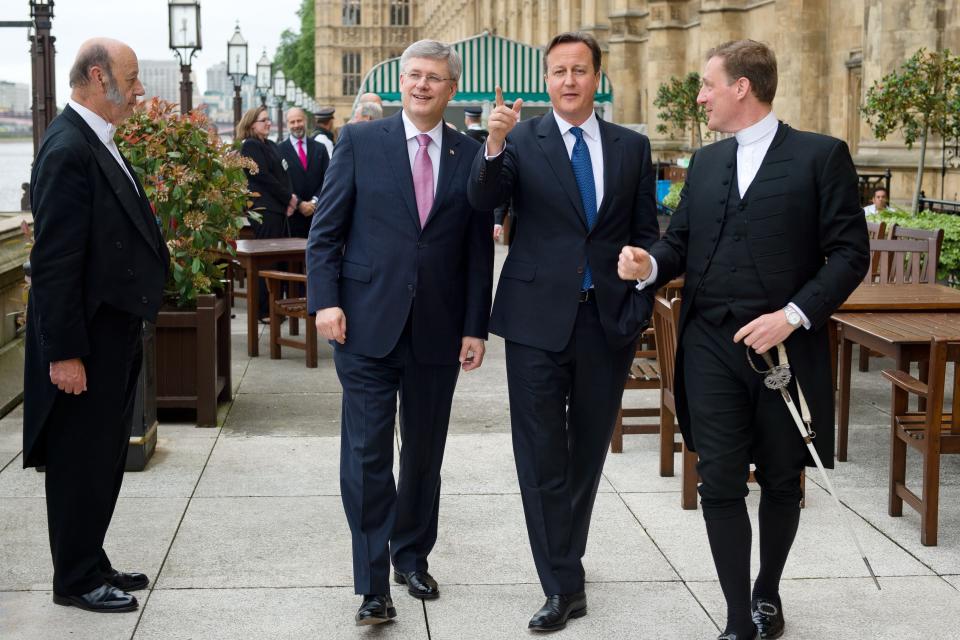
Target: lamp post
{"x":264,"y":76}
{"x":279,"y":92}
{"x":237,"y":68}
{"x":42,"y":54}
{"x":185,"y":41}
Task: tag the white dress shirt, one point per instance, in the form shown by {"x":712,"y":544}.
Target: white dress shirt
{"x":753,"y":142}
{"x":104,"y":132}
{"x":433,"y":149}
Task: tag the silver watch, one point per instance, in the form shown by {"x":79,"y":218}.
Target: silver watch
{"x":793,"y":318}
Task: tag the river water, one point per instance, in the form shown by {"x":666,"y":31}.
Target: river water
{"x":15,"y":159}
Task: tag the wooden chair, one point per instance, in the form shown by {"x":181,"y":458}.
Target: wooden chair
{"x":644,"y":374}
{"x":666,"y":320}
{"x":934,"y":238}
{"x":876,"y":231}
{"x":903,"y":261}
{"x":292,"y":308}
{"x":930,"y":432}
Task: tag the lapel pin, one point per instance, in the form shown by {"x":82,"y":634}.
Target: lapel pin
{"x":452,"y":152}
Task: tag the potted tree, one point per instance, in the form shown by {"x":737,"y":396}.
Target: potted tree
{"x":198,"y":190}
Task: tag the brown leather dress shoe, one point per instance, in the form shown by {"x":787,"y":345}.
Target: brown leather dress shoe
{"x":103,"y":599}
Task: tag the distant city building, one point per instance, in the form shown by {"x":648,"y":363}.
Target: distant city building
{"x":14,"y":97}
{"x":219,"y":93}
{"x":161,"y":78}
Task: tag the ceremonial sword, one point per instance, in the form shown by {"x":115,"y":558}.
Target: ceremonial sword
{"x":777,"y":378}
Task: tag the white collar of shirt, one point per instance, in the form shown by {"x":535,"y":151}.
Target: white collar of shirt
{"x":104,"y":132}
{"x":591,"y":136}
{"x":411,"y":130}
{"x":433,"y":150}
{"x":752,"y":145}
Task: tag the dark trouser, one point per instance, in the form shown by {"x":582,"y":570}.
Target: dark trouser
{"x":563,"y":406}
{"x":387,"y":520}
{"x":86,"y":443}
{"x":736,"y":421}
{"x":271,"y":225}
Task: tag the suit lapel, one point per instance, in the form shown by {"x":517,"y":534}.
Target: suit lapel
{"x":449,"y":159}
{"x":395,"y":150}
{"x":612,"y":158}
{"x":129,"y":197}
{"x":548,"y":136}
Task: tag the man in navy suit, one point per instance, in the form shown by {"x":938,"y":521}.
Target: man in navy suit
{"x":581,"y":189}
{"x":400,"y":271}
{"x":307,"y":162}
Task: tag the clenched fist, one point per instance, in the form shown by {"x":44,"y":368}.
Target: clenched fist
{"x":634,"y":264}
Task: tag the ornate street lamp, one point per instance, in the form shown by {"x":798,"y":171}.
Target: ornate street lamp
{"x":279,"y":92}
{"x":42,"y":54}
{"x":185,"y":41}
{"x":237,"y":68}
{"x":264,"y":76}
{"x":291,"y":92}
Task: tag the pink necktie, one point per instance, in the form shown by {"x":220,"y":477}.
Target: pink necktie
{"x":303,"y":156}
{"x":423,"y":179}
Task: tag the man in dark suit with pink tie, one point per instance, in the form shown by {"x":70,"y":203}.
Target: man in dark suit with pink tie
{"x":400,"y":272}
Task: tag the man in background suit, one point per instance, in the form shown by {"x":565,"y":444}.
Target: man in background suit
{"x":400,"y":270}
{"x":475,"y":130}
{"x":583,"y":188}
{"x":770,"y":234}
{"x":98,"y":264}
{"x":307,"y":162}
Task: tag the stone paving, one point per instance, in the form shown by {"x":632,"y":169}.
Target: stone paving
{"x":242,"y":531}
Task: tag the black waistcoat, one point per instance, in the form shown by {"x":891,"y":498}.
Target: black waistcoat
{"x":731,"y":284}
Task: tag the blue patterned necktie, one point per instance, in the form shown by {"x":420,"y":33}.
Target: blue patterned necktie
{"x":583,"y":172}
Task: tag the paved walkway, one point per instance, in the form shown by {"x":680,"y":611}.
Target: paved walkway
{"x":242,"y":530}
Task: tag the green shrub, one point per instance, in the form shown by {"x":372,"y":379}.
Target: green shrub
{"x":672,"y":199}
{"x":948,"y":267}
{"x":198,"y":189}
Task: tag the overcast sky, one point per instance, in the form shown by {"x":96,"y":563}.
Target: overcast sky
{"x":143,"y":25}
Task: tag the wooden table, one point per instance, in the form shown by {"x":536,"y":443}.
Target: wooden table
{"x":902,"y":297}
{"x":903,"y":336}
{"x":255,"y":255}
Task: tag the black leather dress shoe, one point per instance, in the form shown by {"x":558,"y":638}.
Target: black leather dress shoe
{"x":420,"y":584}
{"x":768,"y":616}
{"x":733,"y":635}
{"x":376,"y":609}
{"x":103,"y":599}
{"x":557,"y":610}
{"x":126,"y":581}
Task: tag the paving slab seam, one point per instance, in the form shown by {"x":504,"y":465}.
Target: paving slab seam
{"x":666,"y":559}
{"x":14,"y":458}
{"x":173,"y":538}
{"x":884,"y":534}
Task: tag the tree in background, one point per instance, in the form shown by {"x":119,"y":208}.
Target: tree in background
{"x":296,"y":52}
{"x":677,"y":101}
{"x":920,"y":98}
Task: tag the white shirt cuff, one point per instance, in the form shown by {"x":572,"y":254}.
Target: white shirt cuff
{"x":643,"y":284}
{"x":496,"y":155}
{"x":803,"y":316}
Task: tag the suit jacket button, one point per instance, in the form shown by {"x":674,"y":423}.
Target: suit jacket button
{"x":409,"y":287}
{"x":119,"y":245}
{"x":144,"y":300}
{"x":726,"y":182}
{"x":579,"y":269}
{"x":130,"y":272}
{"x":723,"y":201}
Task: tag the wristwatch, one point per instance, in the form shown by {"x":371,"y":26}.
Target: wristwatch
{"x":793,"y":318}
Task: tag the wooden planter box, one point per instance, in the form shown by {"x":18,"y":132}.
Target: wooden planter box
{"x":193,"y":358}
